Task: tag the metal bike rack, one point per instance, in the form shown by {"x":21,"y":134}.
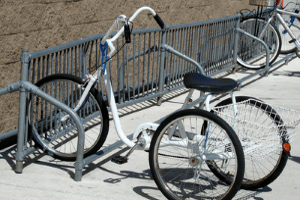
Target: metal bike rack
{"x":24,"y":86}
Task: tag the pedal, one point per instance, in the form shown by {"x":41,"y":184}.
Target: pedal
{"x":119,"y":160}
{"x":292,"y":41}
{"x":123,"y":159}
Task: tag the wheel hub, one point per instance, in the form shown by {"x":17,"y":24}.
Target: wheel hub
{"x":194,"y":161}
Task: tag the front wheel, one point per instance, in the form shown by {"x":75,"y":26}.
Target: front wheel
{"x":184,"y":148}
{"x":251,"y":53}
{"x":52,"y":129}
{"x":260,"y":130}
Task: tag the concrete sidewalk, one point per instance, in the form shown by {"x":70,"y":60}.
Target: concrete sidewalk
{"x":46,"y":178}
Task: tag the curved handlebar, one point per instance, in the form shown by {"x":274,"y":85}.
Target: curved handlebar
{"x":124,"y":19}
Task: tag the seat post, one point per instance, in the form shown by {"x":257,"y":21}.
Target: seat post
{"x":233,"y":102}
{"x":207,"y":102}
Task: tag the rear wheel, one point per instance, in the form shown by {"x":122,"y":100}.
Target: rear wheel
{"x":53,"y":131}
{"x":251,"y":53}
{"x":265,"y":158}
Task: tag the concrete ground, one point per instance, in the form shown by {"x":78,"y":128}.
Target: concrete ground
{"x":46,"y":178}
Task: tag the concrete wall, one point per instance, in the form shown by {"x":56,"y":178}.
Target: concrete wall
{"x":39,"y":24}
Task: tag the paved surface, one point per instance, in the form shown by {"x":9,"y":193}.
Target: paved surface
{"x":45,"y":178}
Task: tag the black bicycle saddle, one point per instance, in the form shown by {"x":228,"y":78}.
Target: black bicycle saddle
{"x":206,"y":84}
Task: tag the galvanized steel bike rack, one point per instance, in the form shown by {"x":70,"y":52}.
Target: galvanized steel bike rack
{"x":24,"y":86}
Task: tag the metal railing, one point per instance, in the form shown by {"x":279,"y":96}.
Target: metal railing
{"x":136,"y":70}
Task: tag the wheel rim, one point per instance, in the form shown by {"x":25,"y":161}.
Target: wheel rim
{"x":252,"y":54}
{"x":259,"y":165}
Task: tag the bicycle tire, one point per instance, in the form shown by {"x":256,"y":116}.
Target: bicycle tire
{"x":288,"y":47}
{"x":251,"y":54}
{"x":187,"y":180}
{"x":272,"y":166}
{"x":56,"y":136}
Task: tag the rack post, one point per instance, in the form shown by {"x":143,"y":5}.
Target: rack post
{"x":25,"y":58}
{"x":236,"y":40}
{"x":162,"y":65}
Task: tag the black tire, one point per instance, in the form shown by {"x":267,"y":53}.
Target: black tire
{"x":258,"y":173}
{"x":181,"y":172}
{"x":252,"y":54}
{"x":59,"y":137}
{"x":288,"y":47}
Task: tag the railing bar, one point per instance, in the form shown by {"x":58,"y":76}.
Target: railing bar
{"x":38,"y":68}
{"x":194,"y":48}
{"x":51,"y":64}
{"x":47,"y":65}
{"x":202,"y":49}
{"x":60,"y":61}
{"x":144,"y":63}
{"x":149,"y":60}
{"x":154,"y":78}
{"x":213,"y":52}
{"x":207,"y":56}
{"x":90,"y":58}
{"x":158,"y":57}
{"x":33,"y":63}
{"x":118,"y":71}
{"x":216,"y":55}
{"x":191,"y":46}
{"x":176,"y":58}
{"x":181,"y":49}
{"x":133,"y":78}
{"x":72,"y":60}
{"x":43,"y":66}
{"x":123,"y":74}
{"x":220,"y":60}
{"x":139,"y":65}
{"x":80,"y":56}
{"x":189,"y":49}
{"x":75,"y":59}
{"x":65,"y":63}
{"x":128,"y":75}
{"x":68,"y":61}
{"x":167,"y":63}
{"x":221,"y":45}
{"x":210,"y":48}
{"x":184,"y":51}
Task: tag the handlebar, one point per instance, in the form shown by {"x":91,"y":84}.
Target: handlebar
{"x":128,"y":21}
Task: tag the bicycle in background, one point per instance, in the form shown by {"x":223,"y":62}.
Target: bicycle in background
{"x":252,"y":55}
{"x":294,"y":24}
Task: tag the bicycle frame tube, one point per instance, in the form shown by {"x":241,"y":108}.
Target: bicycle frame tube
{"x":287,"y":13}
{"x":265,"y":29}
{"x":286,"y":27}
{"x":114,"y":110}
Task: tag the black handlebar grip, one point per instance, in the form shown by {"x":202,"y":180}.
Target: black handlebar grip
{"x":127,"y":33}
{"x":159,"y":21}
